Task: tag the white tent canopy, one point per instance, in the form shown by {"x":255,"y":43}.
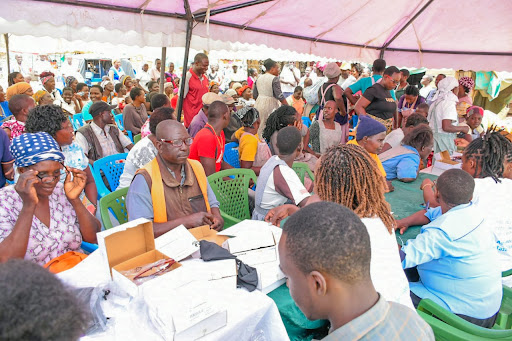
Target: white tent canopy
{"x":468,"y":34}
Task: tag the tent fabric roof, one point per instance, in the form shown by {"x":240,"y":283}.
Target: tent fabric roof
{"x":443,"y":30}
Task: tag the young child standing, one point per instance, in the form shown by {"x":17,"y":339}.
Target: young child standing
{"x":454,"y":261}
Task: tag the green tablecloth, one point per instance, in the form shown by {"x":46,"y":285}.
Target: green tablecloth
{"x":405,"y":200}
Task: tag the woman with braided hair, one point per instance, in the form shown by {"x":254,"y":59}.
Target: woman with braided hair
{"x":486,"y":159}
{"x":348,"y":176}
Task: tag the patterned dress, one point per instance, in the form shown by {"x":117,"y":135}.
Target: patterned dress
{"x":17,"y":127}
{"x":44,"y":243}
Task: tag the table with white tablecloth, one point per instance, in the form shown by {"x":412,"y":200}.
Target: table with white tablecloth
{"x":250,"y":315}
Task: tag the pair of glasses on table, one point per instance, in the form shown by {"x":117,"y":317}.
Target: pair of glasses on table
{"x":155,"y":269}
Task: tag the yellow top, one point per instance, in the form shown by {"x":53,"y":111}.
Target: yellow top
{"x":248,"y":145}
{"x":373,"y":156}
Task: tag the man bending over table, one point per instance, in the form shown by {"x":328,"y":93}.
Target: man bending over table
{"x":172,"y":189}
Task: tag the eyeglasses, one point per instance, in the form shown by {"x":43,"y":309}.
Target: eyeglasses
{"x":47,"y":179}
{"x":179,"y":142}
{"x":394,"y":81}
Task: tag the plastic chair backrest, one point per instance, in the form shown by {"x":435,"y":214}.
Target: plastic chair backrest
{"x":6,"y":118}
{"x":231,"y":154}
{"x":302,"y":169}
{"x":232,"y":193}
{"x":137,"y":138}
{"x":306,"y":121}
{"x":500,"y":331}
{"x":115,"y":203}
{"x":112,"y":167}
{"x":119,"y":121}
{"x":130,"y":135}
{"x":78,"y":121}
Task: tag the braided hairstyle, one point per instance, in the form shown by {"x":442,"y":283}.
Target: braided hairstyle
{"x":282,"y":117}
{"x":348,"y":176}
{"x":490,"y":153}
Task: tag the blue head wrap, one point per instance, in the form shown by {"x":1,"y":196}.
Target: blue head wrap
{"x":29,"y":149}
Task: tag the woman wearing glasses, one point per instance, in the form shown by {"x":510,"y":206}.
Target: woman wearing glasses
{"x":41,"y":218}
{"x":378,"y":100}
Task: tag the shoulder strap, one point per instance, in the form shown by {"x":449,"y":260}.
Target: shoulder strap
{"x":373,"y":80}
{"x":324,"y":92}
{"x":157,"y":192}
{"x":216,"y":146}
{"x":394,"y":152}
{"x":201,"y":180}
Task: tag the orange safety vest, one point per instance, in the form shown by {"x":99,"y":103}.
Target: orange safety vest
{"x":157,"y":188}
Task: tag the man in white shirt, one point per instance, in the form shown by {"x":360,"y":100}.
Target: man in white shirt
{"x":144,"y":77}
{"x":19,"y":66}
{"x":307,"y":74}
{"x":426,"y":80}
{"x":345,"y":73}
{"x":289,"y":78}
{"x":155,"y":72}
{"x":102,"y":137}
{"x":42,"y":65}
{"x":238,"y":74}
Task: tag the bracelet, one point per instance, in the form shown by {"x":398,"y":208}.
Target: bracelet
{"x":422,"y":188}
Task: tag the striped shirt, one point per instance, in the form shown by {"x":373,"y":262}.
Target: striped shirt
{"x":384,"y":321}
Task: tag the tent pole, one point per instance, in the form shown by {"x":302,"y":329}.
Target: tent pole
{"x":190,"y":26}
{"x":6,"y":37}
{"x":162,"y":69}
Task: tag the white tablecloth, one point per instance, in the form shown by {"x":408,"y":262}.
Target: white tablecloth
{"x":251,"y":315}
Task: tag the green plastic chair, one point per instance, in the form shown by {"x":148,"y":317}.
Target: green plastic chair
{"x":466,"y":331}
{"x":302,"y":169}
{"x":114,"y":203}
{"x":136,"y":138}
{"x":231,"y":189}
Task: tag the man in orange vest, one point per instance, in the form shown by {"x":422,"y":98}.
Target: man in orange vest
{"x":196,"y":85}
{"x":173,"y":190}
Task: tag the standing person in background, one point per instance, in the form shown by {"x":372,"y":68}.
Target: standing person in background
{"x":355,"y":73}
{"x":267,"y":92}
{"x":345,"y":73}
{"x":15,"y":77}
{"x":155,"y":72}
{"x":378,"y":68}
{"x":237,"y":75}
{"x":196,"y":85}
{"x":378,"y":101}
{"x":289,"y":78}
{"x":307,"y":74}
{"x":170,"y":76}
{"x":426,"y":80}
{"x":116,"y":71}
{"x":144,"y":77}
{"x":442,"y":116}
{"x":466,"y":84}
{"x":215,"y":75}
{"x":331,"y":91}
{"x":253,"y":75}
{"x":18,"y":66}
{"x":432,"y":93}
{"x":400,"y":89}
{"x":407,"y":104}
{"x":135,"y":114}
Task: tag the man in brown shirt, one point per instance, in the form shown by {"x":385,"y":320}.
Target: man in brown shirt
{"x":173,"y":190}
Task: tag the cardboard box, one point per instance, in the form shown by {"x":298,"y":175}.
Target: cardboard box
{"x":178,"y":243}
{"x":206,"y":233}
{"x":221,"y":274}
{"x":128,"y":246}
{"x":444,"y":161}
{"x":187,"y":314}
{"x":270,"y":277}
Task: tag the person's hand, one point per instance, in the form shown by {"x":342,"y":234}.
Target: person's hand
{"x":218,"y":222}
{"x":298,"y":124}
{"x":199,"y":219}
{"x":461,"y":142}
{"x":73,"y":188}
{"x":277,"y":214}
{"x":25,"y":187}
{"x":426,"y":183}
{"x":402,"y":226}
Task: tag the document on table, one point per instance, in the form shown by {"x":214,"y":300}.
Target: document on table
{"x":178,"y":243}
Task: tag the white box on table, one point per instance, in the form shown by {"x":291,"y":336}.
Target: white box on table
{"x":128,"y":246}
{"x":444,"y":161}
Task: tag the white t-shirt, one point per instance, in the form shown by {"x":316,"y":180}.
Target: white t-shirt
{"x":425,"y":91}
{"x":386,"y":270}
{"x":140,"y":155}
{"x":70,"y":108}
{"x":444,"y":110}
{"x":287,"y":76}
{"x":143,"y":78}
{"x":494,"y":199}
{"x":272,"y":198}
{"x":348,"y":82}
{"x":394,"y":138}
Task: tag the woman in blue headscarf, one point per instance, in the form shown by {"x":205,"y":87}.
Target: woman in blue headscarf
{"x":41,"y":218}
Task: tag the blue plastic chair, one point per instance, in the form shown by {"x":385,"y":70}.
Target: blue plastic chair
{"x":112,"y":167}
{"x":306,"y":121}
{"x":78,"y":121}
{"x":231,"y":154}
{"x":119,"y":121}
{"x":89,"y":247}
{"x":130,"y":135}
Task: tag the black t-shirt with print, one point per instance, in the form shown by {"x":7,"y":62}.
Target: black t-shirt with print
{"x":382,"y":104}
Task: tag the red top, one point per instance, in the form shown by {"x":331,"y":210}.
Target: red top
{"x":193,"y":102}
{"x":208,"y":144}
